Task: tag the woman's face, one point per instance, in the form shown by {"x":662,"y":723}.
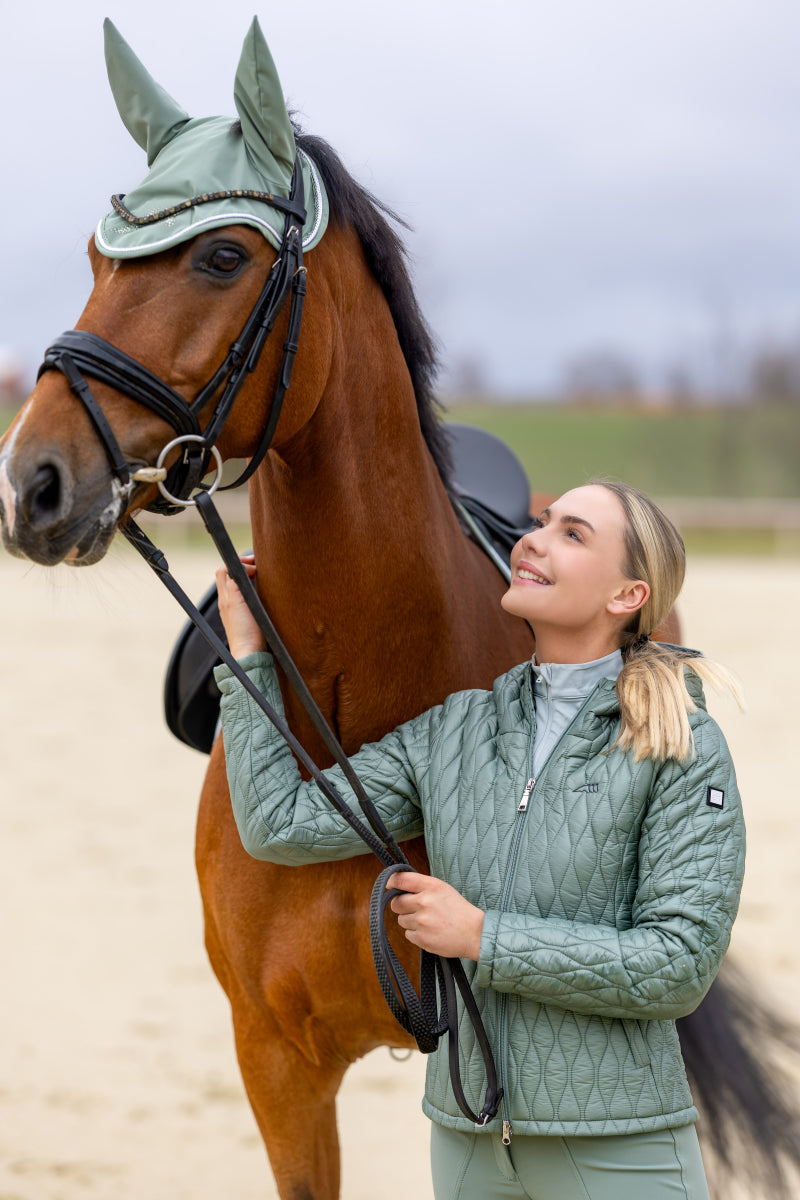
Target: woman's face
{"x":567,"y":574}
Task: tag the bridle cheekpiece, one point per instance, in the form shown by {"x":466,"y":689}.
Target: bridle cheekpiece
{"x":77,"y":353}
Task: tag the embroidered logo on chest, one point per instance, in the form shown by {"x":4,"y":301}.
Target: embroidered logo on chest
{"x":592,"y":788}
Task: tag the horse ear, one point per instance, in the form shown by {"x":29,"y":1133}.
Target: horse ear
{"x":261,"y":107}
{"x":149,"y":114}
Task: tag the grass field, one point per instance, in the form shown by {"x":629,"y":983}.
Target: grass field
{"x":736,"y":452}
{"x":742,"y":454}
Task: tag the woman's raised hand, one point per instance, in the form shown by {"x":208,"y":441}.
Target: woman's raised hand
{"x":244,"y":636}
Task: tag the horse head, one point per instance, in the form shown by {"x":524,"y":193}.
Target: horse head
{"x":162,"y":348}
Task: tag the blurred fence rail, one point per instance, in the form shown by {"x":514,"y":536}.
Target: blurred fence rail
{"x":707,"y":523}
{"x":694,"y":512}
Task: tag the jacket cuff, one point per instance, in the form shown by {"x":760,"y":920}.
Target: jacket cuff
{"x":483,"y":975}
{"x":227,"y":681}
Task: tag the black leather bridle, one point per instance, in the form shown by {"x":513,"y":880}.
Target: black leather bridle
{"x":78,"y":353}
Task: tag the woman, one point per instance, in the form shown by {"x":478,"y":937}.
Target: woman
{"x":586,"y":845}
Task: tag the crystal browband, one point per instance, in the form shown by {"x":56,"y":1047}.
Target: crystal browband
{"x":279,"y":202}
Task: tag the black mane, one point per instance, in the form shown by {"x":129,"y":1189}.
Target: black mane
{"x":386,"y":255}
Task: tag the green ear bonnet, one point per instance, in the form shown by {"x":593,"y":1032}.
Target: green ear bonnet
{"x":226,"y":168}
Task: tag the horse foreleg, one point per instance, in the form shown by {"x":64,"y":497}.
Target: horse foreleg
{"x":294,"y":1103}
{"x":299,"y":1019}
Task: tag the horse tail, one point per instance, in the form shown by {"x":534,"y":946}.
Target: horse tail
{"x":736,"y":1050}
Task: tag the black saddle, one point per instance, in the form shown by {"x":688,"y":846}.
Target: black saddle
{"x":490,"y":484}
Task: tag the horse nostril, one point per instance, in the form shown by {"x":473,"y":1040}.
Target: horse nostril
{"x":44,"y":494}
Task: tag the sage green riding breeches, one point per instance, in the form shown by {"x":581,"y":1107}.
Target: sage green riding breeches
{"x":665,"y":1165}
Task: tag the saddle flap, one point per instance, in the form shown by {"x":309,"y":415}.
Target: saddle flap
{"x":191,"y":695}
{"x":488,"y":470}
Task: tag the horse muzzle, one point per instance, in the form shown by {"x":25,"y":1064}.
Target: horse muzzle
{"x":46,"y":517}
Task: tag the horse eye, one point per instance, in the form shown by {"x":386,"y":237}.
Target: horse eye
{"x":225,"y":260}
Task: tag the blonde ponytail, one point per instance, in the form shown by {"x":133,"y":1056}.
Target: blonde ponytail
{"x":655,"y":702}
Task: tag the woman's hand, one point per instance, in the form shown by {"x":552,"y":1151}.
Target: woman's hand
{"x":244,"y":636}
{"x":436,"y":917}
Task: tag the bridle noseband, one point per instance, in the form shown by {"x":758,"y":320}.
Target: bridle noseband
{"x":78,"y":353}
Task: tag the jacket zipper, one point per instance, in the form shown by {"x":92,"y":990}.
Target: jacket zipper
{"x":526,"y":795}
{"x":516,"y":837}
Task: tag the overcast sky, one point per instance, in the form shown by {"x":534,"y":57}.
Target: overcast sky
{"x":580,"y":175}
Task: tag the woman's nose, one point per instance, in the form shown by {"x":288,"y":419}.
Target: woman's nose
{"x":533,"y":538}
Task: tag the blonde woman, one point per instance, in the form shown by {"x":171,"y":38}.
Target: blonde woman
{"x":586,"y":846}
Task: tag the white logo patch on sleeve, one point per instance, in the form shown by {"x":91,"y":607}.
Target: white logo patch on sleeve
{"x":715,"y":797}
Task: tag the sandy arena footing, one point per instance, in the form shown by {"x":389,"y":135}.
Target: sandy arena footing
{"x":119,"y":1076}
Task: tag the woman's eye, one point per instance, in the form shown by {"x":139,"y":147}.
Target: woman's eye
{"x":224,"y":260}
{"x":573,"y":533}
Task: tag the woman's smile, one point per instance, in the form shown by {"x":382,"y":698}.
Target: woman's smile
{"x":526,"y":573}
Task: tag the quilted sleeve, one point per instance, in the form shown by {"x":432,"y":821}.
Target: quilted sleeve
{"x":281,"y":818}
{"x":691,"y":863}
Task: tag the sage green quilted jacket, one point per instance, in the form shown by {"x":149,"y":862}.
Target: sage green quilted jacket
{"x":609,"y":898}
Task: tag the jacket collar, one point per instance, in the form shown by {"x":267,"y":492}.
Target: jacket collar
{"x":574,"y":680}
{"x":513,"y":697}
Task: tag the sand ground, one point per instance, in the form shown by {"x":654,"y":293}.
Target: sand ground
{"x":118,"y":1074}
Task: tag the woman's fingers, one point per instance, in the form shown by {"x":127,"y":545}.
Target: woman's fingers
{"x":244,"y":636}
{"x":408,"y":881}
{"x":435,"y":916}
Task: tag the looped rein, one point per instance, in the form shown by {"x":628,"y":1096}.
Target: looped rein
{"x":417,"y":1013}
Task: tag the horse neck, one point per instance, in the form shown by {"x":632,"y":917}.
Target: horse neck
{"x":355,"y":496}
{"x":361,"y":560}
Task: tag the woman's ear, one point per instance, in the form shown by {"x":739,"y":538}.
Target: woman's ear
{"x":632,"y":596}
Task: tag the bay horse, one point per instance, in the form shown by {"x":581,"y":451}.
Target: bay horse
{"x":383,"y":602}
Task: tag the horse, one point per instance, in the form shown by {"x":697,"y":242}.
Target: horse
{"x":382,"y":601}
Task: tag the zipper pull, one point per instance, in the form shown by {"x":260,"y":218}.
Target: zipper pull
{"x":506,"y":1133}
{"x":523,"y":804}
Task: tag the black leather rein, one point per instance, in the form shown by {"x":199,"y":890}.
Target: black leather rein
{"x":417,"y":1014}
{"x":78,"y":353}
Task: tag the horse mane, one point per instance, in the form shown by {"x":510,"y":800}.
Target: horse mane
{"x":386,"y":255}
